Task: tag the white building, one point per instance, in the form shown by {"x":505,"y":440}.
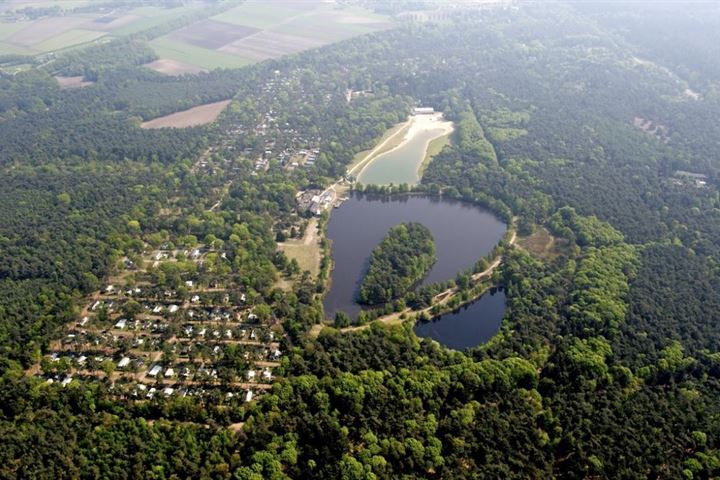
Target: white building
{"x":423,"y":111}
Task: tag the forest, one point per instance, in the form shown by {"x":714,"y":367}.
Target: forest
{"x":398,"y":263}
{"x":608,"y":361}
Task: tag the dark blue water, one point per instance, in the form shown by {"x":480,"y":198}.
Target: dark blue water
{"x":468,"y":326}
{"x":463,"y":234}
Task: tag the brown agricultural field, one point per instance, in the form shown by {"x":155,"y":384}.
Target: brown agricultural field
{"x":168,"y":66}
{"x":266,"y":44}
{"x":211,"y":34}
{"x":193,"y":117}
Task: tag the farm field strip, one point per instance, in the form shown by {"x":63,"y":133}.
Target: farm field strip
{"x":149,"y":17}
{"x":44,"y":29}
{"x":252,"y":32}
{"x":201,"y":57}
{"x":9,"y":29}
{"x":112,"y":24}
{"x":270,"y":45}
{"x":19,"y":4}
{"x":200,"y":115}
{"x":256,"y":14}
{"x":10,"y":49}
{"x":68,"y":39}
{"x":211,"y":34}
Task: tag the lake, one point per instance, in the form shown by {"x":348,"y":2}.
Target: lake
{"x":401,"y":164}
{"x":469,"y":326}
{"x":463,"y":234}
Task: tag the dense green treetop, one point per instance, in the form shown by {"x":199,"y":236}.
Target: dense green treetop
{"x":400,"y":261}
{"x":607,"y":364}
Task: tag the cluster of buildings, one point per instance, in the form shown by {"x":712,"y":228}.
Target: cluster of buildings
{"x":263,"y":135}
{"x":314,"y":202}
{"x":699,"y":180}
{"x":153,"y":341}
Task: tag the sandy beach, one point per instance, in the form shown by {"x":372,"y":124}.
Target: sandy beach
{"x":414,"y":126}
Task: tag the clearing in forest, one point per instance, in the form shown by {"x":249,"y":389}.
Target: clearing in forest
{"x":193,"y":117}
{"x":72,"y":82}
{"x":542,"y":244}
{"x":171,"y":67}
{"x":305,"y":250}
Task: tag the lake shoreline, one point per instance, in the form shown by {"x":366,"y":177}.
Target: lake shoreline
{"x":351,"y":247}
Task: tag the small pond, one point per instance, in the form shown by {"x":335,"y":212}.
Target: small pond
{"x":469,"y":326}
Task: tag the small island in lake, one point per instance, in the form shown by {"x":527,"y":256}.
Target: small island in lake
{"x":400,"y":261}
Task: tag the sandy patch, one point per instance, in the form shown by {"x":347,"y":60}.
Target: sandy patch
{"x":193,"y":117}
{"x":168,"y":66}
{"x":72,"y":82}
{"x":416,"y":124}
{"x":692,"y":94}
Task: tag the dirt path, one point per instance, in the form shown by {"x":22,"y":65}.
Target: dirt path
{"x":311,"y":232}
{"x":223,"y":194}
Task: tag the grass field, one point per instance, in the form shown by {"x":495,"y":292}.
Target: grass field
{"x":332,"y":25}
{"x":67,"y":39}
{"x":434,"y":147}
{"x":12,"y":70}
{"x":151,"y":17}
{"x":65,"y":4}
{"x":257,"y":14}
{"x":305,"y":250}
{"x":8,"y":29}
{"x":202,"y":57}
{"x":9,"y":49}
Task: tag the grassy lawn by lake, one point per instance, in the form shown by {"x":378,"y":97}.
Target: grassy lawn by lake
{"x":433,"y":149}
{"x":305,"y":250}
